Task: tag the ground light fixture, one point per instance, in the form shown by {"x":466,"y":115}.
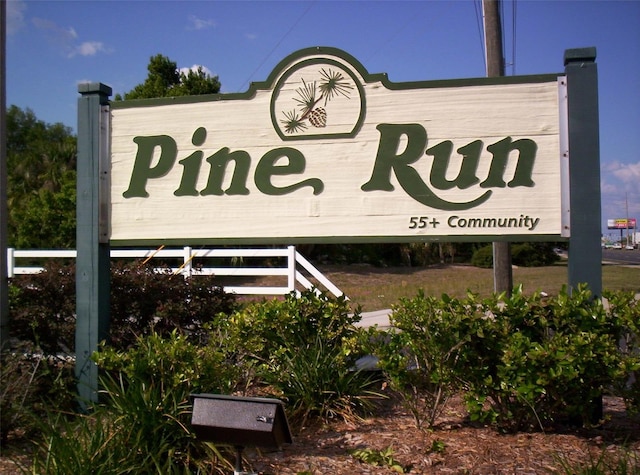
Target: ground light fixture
{"x":240,"y":422}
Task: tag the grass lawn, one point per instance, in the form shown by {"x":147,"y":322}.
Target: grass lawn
{"x":378,"y":288}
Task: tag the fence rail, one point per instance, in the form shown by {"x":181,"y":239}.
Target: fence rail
{"x":298,"y":269}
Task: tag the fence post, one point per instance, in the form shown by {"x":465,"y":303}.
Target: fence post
{"x":11,"y":262}
{"x":291,"y":266}
{"x":187,"y":265}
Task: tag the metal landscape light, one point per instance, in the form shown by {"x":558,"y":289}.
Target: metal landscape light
{"x":241,"y":422}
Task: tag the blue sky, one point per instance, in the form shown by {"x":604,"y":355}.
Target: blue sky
{"x":52,"y":46}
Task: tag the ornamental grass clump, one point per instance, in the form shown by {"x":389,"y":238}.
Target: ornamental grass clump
{"x":142,"y":421}
{"x":305,"y":350}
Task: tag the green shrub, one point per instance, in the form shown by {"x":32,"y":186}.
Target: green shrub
{"x":112,"y":440}
{"x":172,"y":364}
{"x":533,"y":254}
{"x":527,"y":254}
{"x":420,"y":356}
{"x":305,"y":348}
{"x":524,"y":362}
{"x":625,"y":307}
{"x":483,"y":257}
{"x":534,"y":362}
{"x":145,"y":301}
{"x":42,"y":306}
{"x":141,"y":424}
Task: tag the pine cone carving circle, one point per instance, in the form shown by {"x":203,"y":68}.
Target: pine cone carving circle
{"x":307,"y":112}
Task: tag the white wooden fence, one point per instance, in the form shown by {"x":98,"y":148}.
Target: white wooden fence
{"x":295,"y":272}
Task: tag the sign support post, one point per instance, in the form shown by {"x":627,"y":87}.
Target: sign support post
{"x":92,"y":262}
{"x":585,"y":252}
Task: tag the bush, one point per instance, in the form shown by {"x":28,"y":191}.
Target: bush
{"x":42,"y":306}
{"x":528,"y":254}
{"x":305,"y":348}
{"x":524,"y":363}
{"x":625,"y":307}
{"x":534,"y":362}
{"x":141,"y":424}
{"x":144,"y":301}
{"x":533,"y":254}
{"x":420,"y":356}
{"x":114,"y":441}
{"x":483,"y":257}
{"x":172,"y":364}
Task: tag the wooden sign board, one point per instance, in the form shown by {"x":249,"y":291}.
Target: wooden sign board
{"x":323,"y":151}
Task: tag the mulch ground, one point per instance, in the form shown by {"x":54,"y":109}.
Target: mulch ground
{"x":455,"y":446}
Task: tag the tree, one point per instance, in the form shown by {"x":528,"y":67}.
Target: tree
{"x":46,"y":219}
{"x":165,"y":80}
{"x":41,"y":177}
{"x":41,"y":161}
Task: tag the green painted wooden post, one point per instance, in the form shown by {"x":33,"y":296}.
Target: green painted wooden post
{"x":92,"y":262}
{"x":585,"y":253}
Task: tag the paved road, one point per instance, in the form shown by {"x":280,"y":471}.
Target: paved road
{"x":621,"y":256}
{"x":378,"y":317}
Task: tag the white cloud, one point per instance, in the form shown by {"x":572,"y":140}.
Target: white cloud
{"x":194,"y":68}
{"x":15,"y":15}
{"x":66,"y":39}
{"x":625,"y":174}
{"x":196,"y":23}
{"x":628,"y":172}
{"x":55,"y":32}
{"x":88,"y":48}
{"x":620,"y":189}
{"x":251,"y":36}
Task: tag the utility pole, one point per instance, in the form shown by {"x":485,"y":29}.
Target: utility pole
{"x":4,"y":279}
{"x":626,"y":205}
{"x":502,"y":273}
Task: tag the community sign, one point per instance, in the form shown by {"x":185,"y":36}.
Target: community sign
{"x":323,"y":151}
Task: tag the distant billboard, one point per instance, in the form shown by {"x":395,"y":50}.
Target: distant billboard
{"x":621,"y":223}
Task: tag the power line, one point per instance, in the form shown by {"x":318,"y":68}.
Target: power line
{"x":277,"y":45}
{"x":393,"y":36}
{"x":504,"y":41}
{"x":479,"y":20}
{"x":514,"y":23}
